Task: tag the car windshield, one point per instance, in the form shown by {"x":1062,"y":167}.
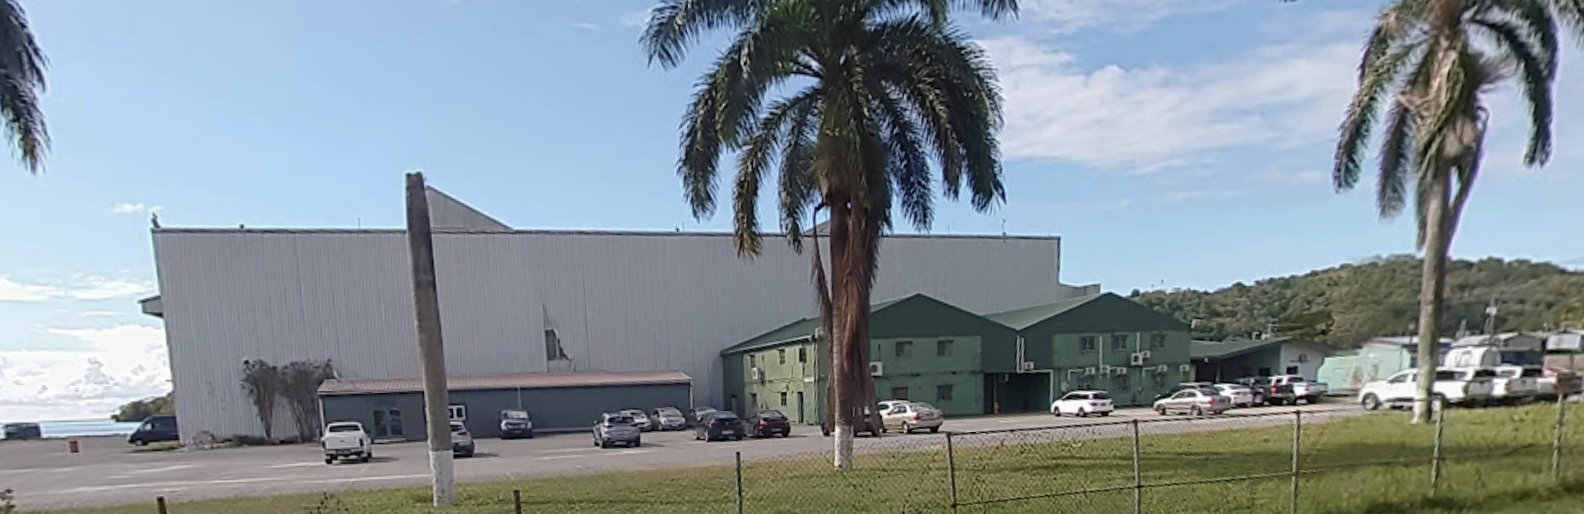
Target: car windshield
{"x":923,"y":406}
{"x":723,"y":416}
{"x":772,"y":414}
{"x":514,"y":414}
{"x":1446,"y":375}
{"x":618,"y":420}
{"x":632,"y":413}
{"x":457,"y":427}
{"x":345,"y":428}
{"x":667,"y":411}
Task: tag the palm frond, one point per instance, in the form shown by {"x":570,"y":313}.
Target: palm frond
{"x":797,"y":183}
{"x":1396,"y":161}
{"x":676,"y":24}
{"x":938,"y":11}
{"x":1571,"y":13}
{"x":909,"y":169}
{"x":22,"y":66}
{"x":1536,"y":69}
{"x":700,"y":148}
{"x":755,"y":160}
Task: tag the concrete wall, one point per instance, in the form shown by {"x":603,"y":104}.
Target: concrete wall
{"x":555,"y":409}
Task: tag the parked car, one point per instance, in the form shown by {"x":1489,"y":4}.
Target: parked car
{"x":1083,"y":403}
{"x":1197,"y":402}
{"x":719,"y":425}
{"x":906,"y":416}
{"x":769,"y":423}
{"x":667,"y":418}
{"x":869,"y":425}
{"x":461,"y":440}
{"x":1516,"y":384}
{"x":515,"y":424}
{"x":698,"y":414}
{"x":22,"y":431}
{"x":155,"y":429}
{"x":617,"y":428}
{"x":1465,"y":387}
{"x":346,"y":439}
{"x":1293,"y":388}
{"x":640,"y":419}
{"x":1261,"y":387}
{"x":1558,"y":382}
{"x":1241,"y":395}
{"x":1183,"y":387}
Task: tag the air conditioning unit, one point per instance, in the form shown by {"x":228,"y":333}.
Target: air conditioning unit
{"x":1119,"y":370}
{"x":1138,"y":359}
{"x":1162,"y":368}
{"x":1089,"y":370}
{"x":756,"y":374}
{"x":1026,"y":366}
{"x":819,"y":333}
{"x":1146,"y":354}
{"x":1105,"y":369}
{"x":1183,"y":368}
{"x":876,"y":369}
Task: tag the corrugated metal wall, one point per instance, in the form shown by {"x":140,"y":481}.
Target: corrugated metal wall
{"x":617,"y":301}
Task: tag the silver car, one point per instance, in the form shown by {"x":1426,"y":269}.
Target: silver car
{"x":1197,"y":402}
{"x":617,"y":428}
{"x":668,"y":418}
{"x":640,"y":419}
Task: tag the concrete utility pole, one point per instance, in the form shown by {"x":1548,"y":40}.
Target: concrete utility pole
{"x":431,"y":350}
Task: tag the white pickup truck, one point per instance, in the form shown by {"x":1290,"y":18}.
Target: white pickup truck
{"x":346,"y":440}
{"x":1292,"y":388}
{"x":1456,"y":386}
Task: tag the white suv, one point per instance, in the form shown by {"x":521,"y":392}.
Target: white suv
{"x":1083,"y":403}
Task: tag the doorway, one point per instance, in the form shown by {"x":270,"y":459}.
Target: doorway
{"x":800,"y":411}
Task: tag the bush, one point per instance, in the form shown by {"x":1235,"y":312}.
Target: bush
{"x":6,"y":507}
{"x":250,"y":440}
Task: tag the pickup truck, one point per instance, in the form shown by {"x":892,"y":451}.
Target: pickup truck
{"x":1292,"y":388}
{"x":1516,"y":384}
{"x":346,"y":440}
{"x":1455,"y":386}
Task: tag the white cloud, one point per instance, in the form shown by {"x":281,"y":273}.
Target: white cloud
{"x":1066,"y":16}
{"x":85,"y":288}
{"x":585,"y":25}
{"x":120,"y":363}
{"x":135,"y":208}
{"x":636,"y":19}
{"x":1155,"y":117}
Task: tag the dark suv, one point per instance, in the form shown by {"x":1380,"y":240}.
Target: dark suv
{"x":719,"y":425}
{"x":770,"y":423}
{"x":155,"y":429}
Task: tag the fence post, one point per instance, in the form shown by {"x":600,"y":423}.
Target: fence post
{"x":951,"y":471}
{"x":1556,"y":444}
{"x":160,"y":501}
{"x":739,"y":484}
{"x":1297,"y":460}
{"x":1138,"y":471}
{"x":1435,"y":455}
{"x":517,"y":501}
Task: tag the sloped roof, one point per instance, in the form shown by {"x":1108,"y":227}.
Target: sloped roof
{"x":1228,"y":349}
{"x":511,"y":381}
{"x":1023,"y":318}
{"x":800,"y":329}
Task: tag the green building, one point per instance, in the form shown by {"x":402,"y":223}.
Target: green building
{"x":1102,"y":341}
{"x":921,"y":349}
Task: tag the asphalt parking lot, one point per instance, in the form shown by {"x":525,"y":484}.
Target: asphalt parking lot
{"x":45,"y":475}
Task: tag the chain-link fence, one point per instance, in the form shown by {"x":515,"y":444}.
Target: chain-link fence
{"x":1311,"y":461}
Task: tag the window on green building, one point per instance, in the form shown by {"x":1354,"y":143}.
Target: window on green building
{"x":783,"y":399}
{"x":943,"y":348}
{"x":753,"y":401}
{"x":802,"y":354}
{"x":752,"y":362}
{"x":943,"y":393}
{"x":1160,"y":380}
{"x":899,"y":393}
{"x":1088,"y":343}
{"x":781,"y":356}
{"x":904,"y":349}
{"x":1119,"y":343}
{"x":1157,"y":340}
{"x":1120,"y":383}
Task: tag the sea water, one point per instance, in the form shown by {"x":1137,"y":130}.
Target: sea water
{"x":85,"y":428}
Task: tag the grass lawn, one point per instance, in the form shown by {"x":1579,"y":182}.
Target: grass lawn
{"x":1497,"y":463}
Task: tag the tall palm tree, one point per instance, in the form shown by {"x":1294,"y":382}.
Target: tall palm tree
{"x":1427,"y":65}
{"x":871,"y":95}
{"x":21,"y":80}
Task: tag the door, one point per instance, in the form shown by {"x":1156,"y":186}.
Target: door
{"x":1400,"y":386}
{"x":800,"y":406}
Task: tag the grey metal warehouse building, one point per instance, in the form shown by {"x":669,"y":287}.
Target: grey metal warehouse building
{"x":519,"y":301}
{"x":393,"y":409}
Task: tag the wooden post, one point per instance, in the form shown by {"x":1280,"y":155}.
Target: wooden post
{"x":1138,"y":471}
{"x":951,"y":472}
{"x":431,"y":349}
{"x":1561,"y":427}
{"x":1297,"y":460}
{"x":739,"y":484}
{"x":517,"y":501}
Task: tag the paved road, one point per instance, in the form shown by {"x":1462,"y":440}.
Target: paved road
{"x":44,"y":475}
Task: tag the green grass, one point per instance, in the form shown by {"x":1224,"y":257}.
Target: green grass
{"x":1498,"y":462}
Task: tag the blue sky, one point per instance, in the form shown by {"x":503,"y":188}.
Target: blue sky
{"x":1170,"y":143}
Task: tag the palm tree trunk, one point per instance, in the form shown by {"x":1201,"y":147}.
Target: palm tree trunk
{"x":1432,"y":289}
{"x":841,"y":335}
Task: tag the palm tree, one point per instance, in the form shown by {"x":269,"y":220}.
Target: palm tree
{"x":872,"y":94}
{"x":1427,"y":64}
{"x":21,"y":81}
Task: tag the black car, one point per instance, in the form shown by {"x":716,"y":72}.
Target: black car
{"x":697,"y":415}
{"x":870,"y":425}
{"x":719,"y":425}
{"x":769,"y":423}
{"x":155,"y":429}
{"x":22,"y":431}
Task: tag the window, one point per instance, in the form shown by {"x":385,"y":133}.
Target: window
{"x":783,"y":398}
{"x":802,"y":354}
{"x":1292,"y":370}
{"x":387,"y":423}
{"x":904,"y":348}
{"x":1264,"y":372}
{"x":943,"y":393}
{"x":753,"y":362}
{"x":1120,"y":382}
{"x":1157,"y":340}
{"x":943,"y":348}
{"x":458,"y":413}
{"x":1160,"y":380}
{"x":899,"y":393}
{"x":1119,"y":343}
{"x":1088,"y":343}
{"x":753,"y":400}
{"x":781,"y":357}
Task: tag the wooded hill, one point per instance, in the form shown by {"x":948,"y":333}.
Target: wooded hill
{"x":1348,"y":304}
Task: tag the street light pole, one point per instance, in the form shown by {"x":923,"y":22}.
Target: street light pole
{"x":431,"y":350}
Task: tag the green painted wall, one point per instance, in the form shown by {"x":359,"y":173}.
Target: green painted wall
{"x":785,"y":372}
{"x":1116,"y":328}
{"x":1349,"y":372}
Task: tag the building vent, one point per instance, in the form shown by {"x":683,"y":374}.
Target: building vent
{"x":1183,"y":368}
{"x":1026,"y":366}
{"x":756,"y":374}
{"x":1089,"y":370}
{"x":1119,"y":370}
{"x":1162,"y":368}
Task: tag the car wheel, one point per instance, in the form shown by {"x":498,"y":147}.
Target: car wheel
{"x":329,"y":460}
{"x":907,"y":428}
{"x":934,"y":430}
{"x":739,"y":438}
{"x":637,"y":444}
{"x":1083,"y":413}
{"x":1104,"y":414}
{"x":530,"y":435}
{"x":1196,"y":411}
{"x":1160,"y":410}
{"x":1056,"y":412}
{"x":1370,"y":402}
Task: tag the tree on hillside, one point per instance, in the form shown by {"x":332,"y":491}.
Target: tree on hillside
{"x":875,"y":90}
{"x":21,"y":81}
{"x":139,"y":410}
{"x":1427,"y":64}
